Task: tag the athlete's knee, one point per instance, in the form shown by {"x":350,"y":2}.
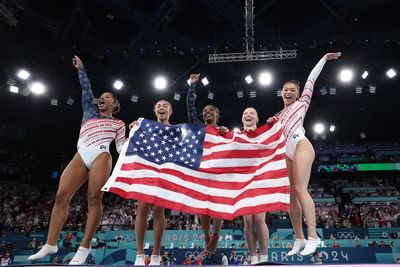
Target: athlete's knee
{"x":299,"y":190}
{"x":95,"y":198}
{"x":62,"y":198}
{"x":249,"y":221}
{"x":158,"y":212}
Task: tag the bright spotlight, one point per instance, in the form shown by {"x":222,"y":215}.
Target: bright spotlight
{"x":248,"y":79}
{"x":391,"y":73}
{"x":14,"y":89}
{"x":37,"y":88}
{"x":364,"y":75}
{"x":118,"y":84}
{"x":346,"y":75}
{"x":160,"y":83}
{"x":204,"y":81}
{"x":319,"y":128}
{"x":332,"y":128}
{"x":23,"y":74}
{"x":265,"y":78}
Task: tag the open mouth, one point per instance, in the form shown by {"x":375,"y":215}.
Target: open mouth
{"x":248,"y":119}
{"x":162,"y":112}
{"x":288,"y":97}
{"x":101,"y":104}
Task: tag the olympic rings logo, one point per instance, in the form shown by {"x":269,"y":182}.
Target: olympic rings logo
{"x":194,"y":255}
{"x":345,"y":235}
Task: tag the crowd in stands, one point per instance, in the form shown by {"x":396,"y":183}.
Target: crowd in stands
{"x":349,"y":201}
{"x":26,"y":208}
{"x":350,"y":153}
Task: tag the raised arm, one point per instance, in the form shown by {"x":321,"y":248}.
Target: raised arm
{"x":190,"y":100}
{"x":87,"y":93}
{"x":309,"y":86}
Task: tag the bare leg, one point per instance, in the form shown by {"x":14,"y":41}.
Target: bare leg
{"x":302,"y":163}
{"x":262,"y":232}
{"x":141,"y":225}
{"x":158,"y":227}
{"x":205,"y":221}
{"x":250,"y":234}
{"x":212,"y":245}
{"x":72,"y":178}
{"x":98,"y":175}
{"x":295,"y":212}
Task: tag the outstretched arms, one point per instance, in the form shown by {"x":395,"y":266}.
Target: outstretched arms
{"x":190,"y":100}
{"x":309,"y":86}
{"x":87,"y":93}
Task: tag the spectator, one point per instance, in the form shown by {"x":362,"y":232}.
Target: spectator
{"x":228,"y":237}
{"x":188,"y":260}
{"x":224,"y":259}
{"x":233,"y":258}
{"x":316,"y":258}
{"x":5,"y":259}
{"x":146,"y":259}
{"x":56,"y":260}
{"x":245,"y":260}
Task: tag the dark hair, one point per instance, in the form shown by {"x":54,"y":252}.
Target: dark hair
{"x":169,"y":103}
{"x":296,"y":82}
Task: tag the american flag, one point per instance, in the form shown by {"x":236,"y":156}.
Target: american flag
{"x":193,"y":169}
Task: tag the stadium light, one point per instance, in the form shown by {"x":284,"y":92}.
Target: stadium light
{"x":14,"y":89}
{"x":265,"y":78}
{"x":23,"y":74}
{"x":248,"y":79}
{"x":319,"y":128}
{"x":391,"y":73}
{"x":346,"y":75}
{"x":204,"y":81}
{"x":160,"y":83}
{"x":37,"y":88}
{"x":118,"y":84}
{"x":365,"y":75}
{"x":332,"y":128}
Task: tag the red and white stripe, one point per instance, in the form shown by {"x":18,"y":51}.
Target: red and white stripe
{"x":240,"y":173}
{"x":292,"y":117}
{"x":95,"y":132}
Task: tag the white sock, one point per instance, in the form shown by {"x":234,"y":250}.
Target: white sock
{"x":254,"y":260}
{"x":311,"y":246}
{"x":80,"y":256}
{"x":155,"y":260}
{"x":139,"y":259}
{"x":43,"y":252}
{"x":298,"y":245}
{"x":263,"y":257}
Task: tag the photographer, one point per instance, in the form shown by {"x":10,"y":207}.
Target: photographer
{"x":316,"y":258}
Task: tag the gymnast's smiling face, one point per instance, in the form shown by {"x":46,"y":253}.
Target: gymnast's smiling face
{"x":290,"y":93}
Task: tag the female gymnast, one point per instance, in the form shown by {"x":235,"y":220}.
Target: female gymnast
{"x":92,"y":162}
{"x":300,"y":156}
{"x":162,"y":110}
{"x":255,"y":228}
{"x":210,"y":116}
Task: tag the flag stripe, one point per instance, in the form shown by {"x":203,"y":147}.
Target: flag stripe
{"x":212,"y":196}
{"x":138,"y":164}
{"x":217,"y":188}
{"x":201,"y":211}
{"x":198,"y":171}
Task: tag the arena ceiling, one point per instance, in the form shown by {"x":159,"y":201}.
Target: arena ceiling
{"x":136,"y":40}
